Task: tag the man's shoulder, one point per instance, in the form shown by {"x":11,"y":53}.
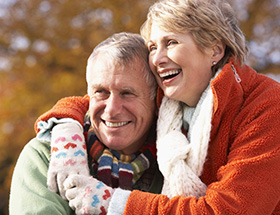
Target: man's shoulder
{"x":38,"y":145}
{"x":37,"y":148}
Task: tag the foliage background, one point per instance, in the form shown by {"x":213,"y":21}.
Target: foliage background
{"x":44,"y":45}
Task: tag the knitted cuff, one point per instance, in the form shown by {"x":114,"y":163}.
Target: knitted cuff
{"x":70,"y":107}
{"x":45,"y":127}
{"x":118,"y":202}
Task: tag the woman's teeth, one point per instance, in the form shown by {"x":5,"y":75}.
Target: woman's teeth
{"x":114,"y":125}
{"x":170,"y":74}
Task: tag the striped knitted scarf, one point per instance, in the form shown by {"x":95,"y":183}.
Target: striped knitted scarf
{"x":118,"y":170}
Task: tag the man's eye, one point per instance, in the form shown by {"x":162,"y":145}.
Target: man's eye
{"x":100,"y":94}
{"x":126,"y":93}
{"x":99,"y":91}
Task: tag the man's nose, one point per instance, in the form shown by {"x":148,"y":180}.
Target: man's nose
{"x":113,"y":105}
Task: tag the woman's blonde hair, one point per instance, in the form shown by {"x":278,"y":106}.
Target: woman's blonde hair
{"x":207,"y":21}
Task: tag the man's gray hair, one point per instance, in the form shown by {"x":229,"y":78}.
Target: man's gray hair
{"x":124,"y":48}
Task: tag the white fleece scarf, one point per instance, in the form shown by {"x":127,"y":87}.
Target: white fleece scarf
{"x":181,"y":159}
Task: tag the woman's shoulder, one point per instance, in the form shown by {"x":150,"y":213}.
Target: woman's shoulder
{"x":257,"y":85}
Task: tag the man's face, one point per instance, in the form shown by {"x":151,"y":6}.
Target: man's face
{"x":121,"y":110}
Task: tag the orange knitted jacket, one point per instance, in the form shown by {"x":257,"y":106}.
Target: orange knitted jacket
{"x":242,"y":169}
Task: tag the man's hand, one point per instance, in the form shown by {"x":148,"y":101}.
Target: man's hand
{"x":87,"y":195}
{"x":68,"y":155}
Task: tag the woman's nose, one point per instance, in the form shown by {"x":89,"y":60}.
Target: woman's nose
{"x":159,"y":57}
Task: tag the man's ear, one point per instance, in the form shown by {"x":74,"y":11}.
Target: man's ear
{"x":218,"y":51}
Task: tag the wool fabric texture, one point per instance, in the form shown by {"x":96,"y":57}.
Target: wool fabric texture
{"x":119,"y":170}
{"x":241,"y":169}
{"x":68,"y":155}
{"x":72,"y":107}
{"x":181,"y":159}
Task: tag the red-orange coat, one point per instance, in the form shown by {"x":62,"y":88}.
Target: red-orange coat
{"x":242,"y":169}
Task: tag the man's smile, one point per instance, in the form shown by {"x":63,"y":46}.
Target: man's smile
{"x":115,"y":124}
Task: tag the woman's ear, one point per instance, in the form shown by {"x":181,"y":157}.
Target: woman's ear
{"x":218,"y":51}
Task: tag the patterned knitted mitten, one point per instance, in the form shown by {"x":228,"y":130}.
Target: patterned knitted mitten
{"x":87,"y":195}
{"x":68,"y":155}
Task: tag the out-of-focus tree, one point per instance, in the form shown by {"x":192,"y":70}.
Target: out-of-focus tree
{"x":44,"y":45}
{"x":260,"y":22}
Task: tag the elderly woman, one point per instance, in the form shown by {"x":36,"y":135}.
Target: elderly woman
{"x":218,"y":123}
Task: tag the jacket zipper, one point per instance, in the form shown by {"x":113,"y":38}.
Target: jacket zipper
{"x":237,"y":78}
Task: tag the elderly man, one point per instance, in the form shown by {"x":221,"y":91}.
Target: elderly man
{"x":119,"y":144}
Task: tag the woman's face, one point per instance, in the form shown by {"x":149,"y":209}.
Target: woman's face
{"x":181,"y":69}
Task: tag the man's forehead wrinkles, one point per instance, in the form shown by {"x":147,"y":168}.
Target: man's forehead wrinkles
{"x":119,"y":87}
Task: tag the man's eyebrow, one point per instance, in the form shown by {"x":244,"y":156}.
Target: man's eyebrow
{"x":94,"y":86}
{"x":130,"y":89}
{"x":127,"y":88}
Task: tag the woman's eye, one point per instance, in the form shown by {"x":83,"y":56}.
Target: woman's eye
{"x":171,"y":42}
{"x":152,"y":48}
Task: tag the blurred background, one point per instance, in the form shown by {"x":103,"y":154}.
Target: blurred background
{"x":44,"y":46}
